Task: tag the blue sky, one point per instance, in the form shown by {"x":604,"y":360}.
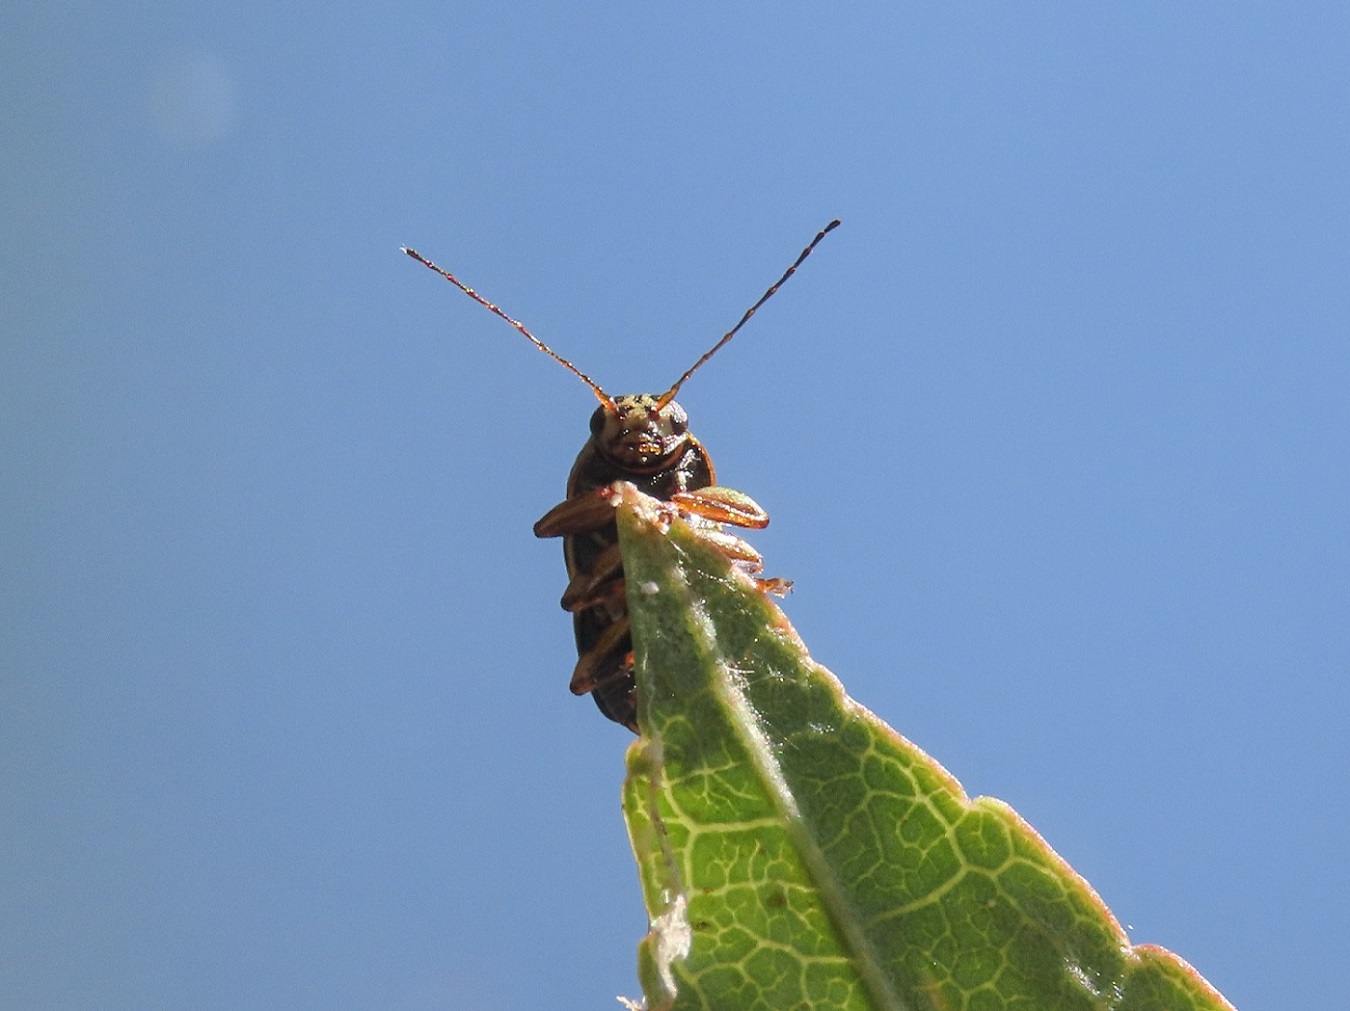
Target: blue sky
{"x":1053,"y":432}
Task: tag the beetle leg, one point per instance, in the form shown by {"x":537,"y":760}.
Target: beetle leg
{"x":600,"y":582}
{"x":723,"y":505}
{"x":578,"y":515}
{"x":746,"y":557}
{"x":607,"y":653}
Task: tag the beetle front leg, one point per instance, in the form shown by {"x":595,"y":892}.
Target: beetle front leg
{"x":579,"y":515}
{"x":722,"y":505}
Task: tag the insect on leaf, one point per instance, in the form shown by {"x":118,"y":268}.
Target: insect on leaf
{"x":796,"y":853}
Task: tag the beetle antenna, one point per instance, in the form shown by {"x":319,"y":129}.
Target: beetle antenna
{"x":669,"y":395}
{"x":600,"y":394}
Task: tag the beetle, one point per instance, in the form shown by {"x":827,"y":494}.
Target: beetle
{"x":644,"y":439}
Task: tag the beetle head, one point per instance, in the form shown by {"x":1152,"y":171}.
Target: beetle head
{"x":640,"y":433}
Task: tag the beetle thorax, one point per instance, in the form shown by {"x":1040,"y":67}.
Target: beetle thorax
{"x":639,"y":433}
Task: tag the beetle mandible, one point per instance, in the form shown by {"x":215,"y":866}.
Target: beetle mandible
{"x":644,"y":439}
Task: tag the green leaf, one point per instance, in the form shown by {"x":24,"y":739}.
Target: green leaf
{"x":796,"y":853}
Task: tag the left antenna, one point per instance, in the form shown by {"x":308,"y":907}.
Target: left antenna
{"x":600,"y":394}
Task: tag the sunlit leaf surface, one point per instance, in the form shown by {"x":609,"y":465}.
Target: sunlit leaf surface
{"x":795,"y":852}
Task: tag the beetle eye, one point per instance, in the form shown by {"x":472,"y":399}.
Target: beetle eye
{"x":598,"y":420}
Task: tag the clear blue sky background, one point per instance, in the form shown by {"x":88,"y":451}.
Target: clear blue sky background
{"x":1053,"y":431}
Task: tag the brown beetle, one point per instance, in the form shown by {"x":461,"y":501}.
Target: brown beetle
{"x":644,"y":439}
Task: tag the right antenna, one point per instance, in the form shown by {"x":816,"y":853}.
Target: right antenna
{"x":669,"y":395}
